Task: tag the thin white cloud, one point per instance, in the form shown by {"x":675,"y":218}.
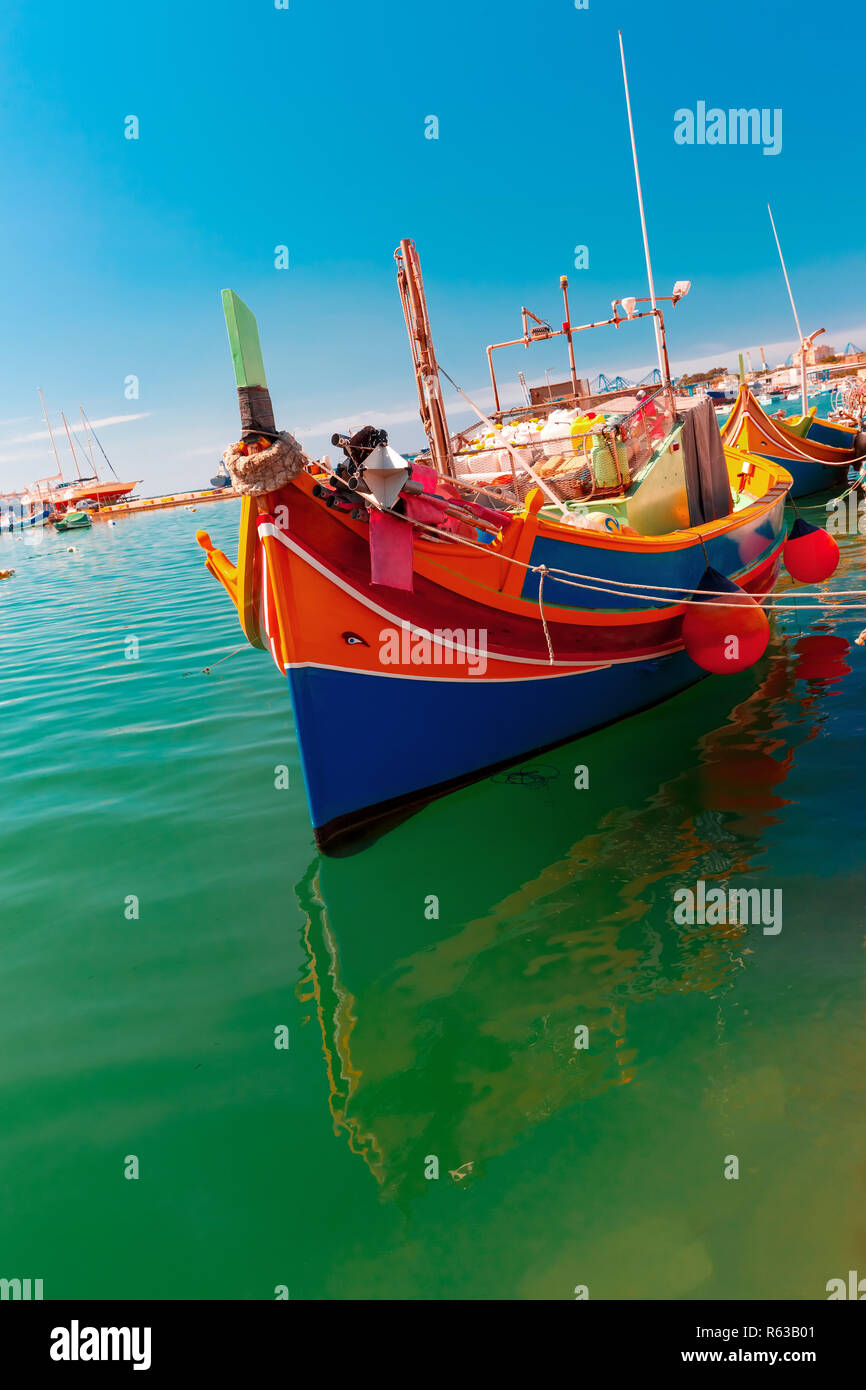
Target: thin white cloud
{"x":342,"y":423}
{"x":38,"y":435}
{"x":404,"y":416}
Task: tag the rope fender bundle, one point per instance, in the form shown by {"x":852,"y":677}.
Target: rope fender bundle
{"x":267,"y":470}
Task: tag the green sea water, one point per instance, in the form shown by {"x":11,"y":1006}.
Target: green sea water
{"x":136,"y":781}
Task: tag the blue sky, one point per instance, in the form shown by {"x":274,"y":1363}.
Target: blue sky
{"x":306,"y":127}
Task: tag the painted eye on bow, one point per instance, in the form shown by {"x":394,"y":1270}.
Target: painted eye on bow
{"x":354,"y":640}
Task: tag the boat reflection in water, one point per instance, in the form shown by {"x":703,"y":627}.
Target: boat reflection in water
{"x":455,"y":1036}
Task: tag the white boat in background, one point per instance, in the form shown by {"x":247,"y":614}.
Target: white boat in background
{"x":222,"y":477}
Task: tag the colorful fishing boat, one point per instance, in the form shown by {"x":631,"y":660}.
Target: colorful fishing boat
{"x":441,"y":619}
{"x":817,"y":453}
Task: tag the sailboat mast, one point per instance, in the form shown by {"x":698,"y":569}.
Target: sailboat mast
{"x":804,"y":389}
{"x":50,"y":434}
{"x":661,"y":350}
{"x":72,"y":447}
{"x":94,"y":435}
{"x":89,"y":443}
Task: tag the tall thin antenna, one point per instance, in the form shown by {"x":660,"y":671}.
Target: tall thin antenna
{"x":803,"y":380}
{"x":665,"y":374}
{"x":50,"y":432}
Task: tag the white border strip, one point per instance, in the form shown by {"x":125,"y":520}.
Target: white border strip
{"x":267,"y":528}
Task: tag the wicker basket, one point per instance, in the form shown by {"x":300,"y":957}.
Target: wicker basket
{"x":568,"y":474}
{"x":568,"y":486}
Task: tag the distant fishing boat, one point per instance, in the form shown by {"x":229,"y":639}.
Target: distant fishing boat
{"x":813,"y":450}
{"x":222,"y":477}
{"x":73,"y":520}
{"x":817,"y":453}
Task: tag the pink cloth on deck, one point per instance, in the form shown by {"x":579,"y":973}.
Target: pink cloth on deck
{"x":425,"y":475}
{"x":430,"y":512}
{"x":433,"y":511}
{"x":390,"y":551}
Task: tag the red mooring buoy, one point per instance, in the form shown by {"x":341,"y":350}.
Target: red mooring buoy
{"x":810,"y":554}
{"x":724,"y":629}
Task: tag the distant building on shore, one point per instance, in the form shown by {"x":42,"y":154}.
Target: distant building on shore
{"x":814,"y":355}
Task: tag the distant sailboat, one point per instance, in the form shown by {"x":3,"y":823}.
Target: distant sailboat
{"x":85,"y":488}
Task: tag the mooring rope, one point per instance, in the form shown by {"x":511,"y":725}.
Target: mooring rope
{"x":542,"y":571}
{"x":206,"y":670}
{"x":620,"y":588}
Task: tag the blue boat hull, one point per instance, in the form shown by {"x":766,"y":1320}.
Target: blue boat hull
{"x":488,"y":724}
{"x":825,"y":432}
{"x":809,"y":475}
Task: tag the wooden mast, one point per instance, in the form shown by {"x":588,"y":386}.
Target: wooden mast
{"x":431,"y":404}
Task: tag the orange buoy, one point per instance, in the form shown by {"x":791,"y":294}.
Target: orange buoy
{"x":724,"y":629}
{"x":810,"y":554}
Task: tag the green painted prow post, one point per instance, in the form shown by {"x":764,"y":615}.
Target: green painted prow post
{"x":244,"y":341}
{"x":257,"y":412}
